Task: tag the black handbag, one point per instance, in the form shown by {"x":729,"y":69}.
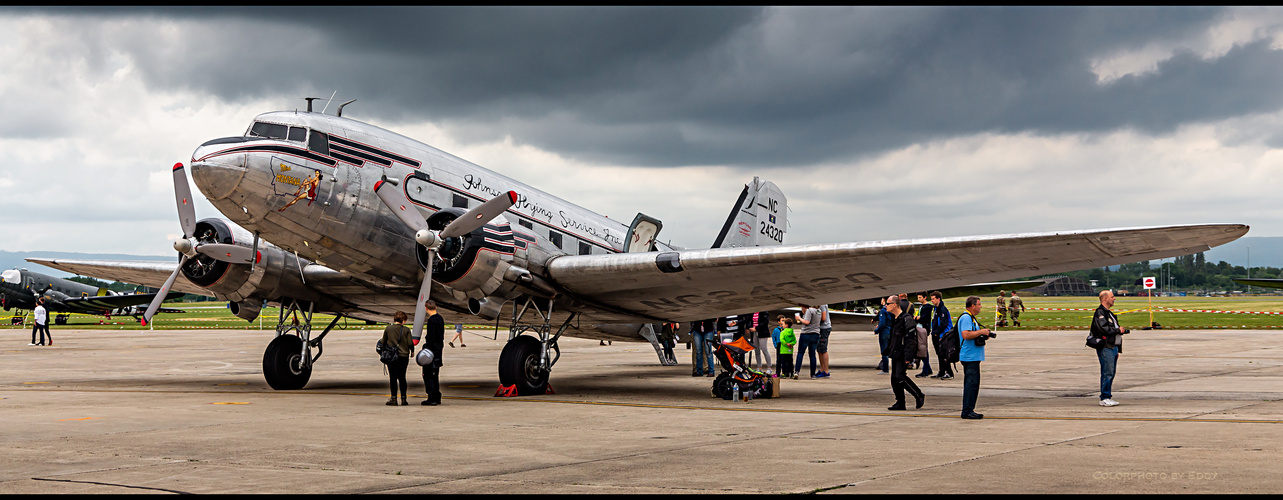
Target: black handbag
{"x":387,"y":353}
{"x":1095,"y":342}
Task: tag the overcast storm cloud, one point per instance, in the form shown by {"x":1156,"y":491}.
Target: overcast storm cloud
{"x":1028,"y":97}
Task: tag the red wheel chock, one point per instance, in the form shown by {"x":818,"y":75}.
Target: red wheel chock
{"x":510,"y":391}
{"x":506,"y":391}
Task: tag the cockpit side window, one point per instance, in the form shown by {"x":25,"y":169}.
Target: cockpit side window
{"x":269,"y":130}
{"x":319,"y":143}
{"x":298,"y":134}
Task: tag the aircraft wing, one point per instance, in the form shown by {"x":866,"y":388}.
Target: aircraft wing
{"x":695,"y":284}
{"x":146,"y":273}
{"x":1264,"y":283}
{"x":109,"y":302}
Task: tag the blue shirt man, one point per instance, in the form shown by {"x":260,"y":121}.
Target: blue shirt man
{"x":970,"y":351}
{"x":971,"y":356}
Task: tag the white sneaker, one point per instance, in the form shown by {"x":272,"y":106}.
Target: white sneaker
{"x":33,"y":343}
{"x":1108,"y":402}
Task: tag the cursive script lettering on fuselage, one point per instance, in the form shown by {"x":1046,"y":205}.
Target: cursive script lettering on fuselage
{"x":533,"y":210}
{"x":601,"y":234}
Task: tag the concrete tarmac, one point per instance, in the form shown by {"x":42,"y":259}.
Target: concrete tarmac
{"x":188,"y":411}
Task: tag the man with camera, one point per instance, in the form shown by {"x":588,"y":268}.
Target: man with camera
{"x":972,"y":352}
{"x":1104,"y":326}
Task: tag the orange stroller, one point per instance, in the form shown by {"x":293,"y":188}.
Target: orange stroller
{"x":752,"y":383}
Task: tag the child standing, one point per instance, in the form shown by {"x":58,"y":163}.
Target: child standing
{"x":787,"y":339}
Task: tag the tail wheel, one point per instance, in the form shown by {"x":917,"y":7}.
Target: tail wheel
{"x":283,"y":364}
{"x":519,"y":365}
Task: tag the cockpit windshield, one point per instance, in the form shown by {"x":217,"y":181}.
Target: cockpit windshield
{"x":269,"y":130}
{"x":12,"y":276}
{"x":278,"y":131}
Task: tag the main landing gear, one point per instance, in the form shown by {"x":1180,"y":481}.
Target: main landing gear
{"x":526,"y":361}
{"x":288,"y":360}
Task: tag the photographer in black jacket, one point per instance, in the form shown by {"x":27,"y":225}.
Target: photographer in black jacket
{"x":904,"y":349}
{"x":1104,"y":325}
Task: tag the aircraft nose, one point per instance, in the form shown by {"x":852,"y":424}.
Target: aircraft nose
{"x":217,"y":169}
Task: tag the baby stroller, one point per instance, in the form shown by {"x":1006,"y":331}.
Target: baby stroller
{"x":752,"y":383}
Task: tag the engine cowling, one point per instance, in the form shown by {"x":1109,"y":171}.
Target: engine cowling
{"x":276,"y":274}
{"x":471,"y":266}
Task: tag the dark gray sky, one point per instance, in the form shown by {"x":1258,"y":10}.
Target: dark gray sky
{"x":856,"y":112}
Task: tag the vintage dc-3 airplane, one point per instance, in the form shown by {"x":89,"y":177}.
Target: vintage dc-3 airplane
{"x":19,"y":289}
{"x":347,"y":218}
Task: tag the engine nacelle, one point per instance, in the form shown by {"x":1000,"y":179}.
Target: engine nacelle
{"x":276,"y":274}
{"x":247,"y":310}
{"x":486,"y":308}
{"x":471,"y":266}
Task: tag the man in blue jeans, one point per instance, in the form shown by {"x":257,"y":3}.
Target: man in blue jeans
{"x":971,"y":355}
{"x":1105,"y":325}
{"x":703,"y":332}
{"x":809,"y":338}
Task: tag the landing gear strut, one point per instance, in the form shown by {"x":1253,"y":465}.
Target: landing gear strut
{"x":288,"y":360}
{"x":526,"y":361}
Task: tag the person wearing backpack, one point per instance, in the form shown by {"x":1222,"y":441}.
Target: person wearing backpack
{"x":397,"y":336}
{"x":944,"y":337}
{"x":1104,"y":326}
{"x":971,"y":353}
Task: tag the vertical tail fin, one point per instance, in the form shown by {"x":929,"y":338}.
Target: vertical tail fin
{"x":759,"y":217}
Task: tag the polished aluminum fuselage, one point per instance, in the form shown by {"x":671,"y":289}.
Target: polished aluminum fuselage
{"x":345,"y":228}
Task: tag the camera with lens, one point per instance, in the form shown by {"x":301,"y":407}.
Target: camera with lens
{"x":980,"y":341}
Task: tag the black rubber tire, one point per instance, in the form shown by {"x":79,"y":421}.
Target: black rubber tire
{"x":519,"y":365}
{"x":723,"y":386}
{"x":280,"y":364}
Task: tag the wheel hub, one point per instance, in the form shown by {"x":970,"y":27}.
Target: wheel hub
{"x":295,"y":364}
{"x":533,"y":370}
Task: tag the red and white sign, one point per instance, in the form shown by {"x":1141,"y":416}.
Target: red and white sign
{"x":1149,"y":282}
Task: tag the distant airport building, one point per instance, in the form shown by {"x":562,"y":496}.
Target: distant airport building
{"x":1062,"y":286}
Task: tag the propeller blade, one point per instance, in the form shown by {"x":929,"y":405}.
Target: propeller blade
{"x":480,"y":216}
{"x":255,"y":248}
{"x":424,"y":290}
{"x":164,"y":290}
{"x":186,"y":207}
{"x":234,"y":254}
{"x":395,"y":200}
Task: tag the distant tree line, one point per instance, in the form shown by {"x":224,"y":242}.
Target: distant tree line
{"x":1188,"y":273}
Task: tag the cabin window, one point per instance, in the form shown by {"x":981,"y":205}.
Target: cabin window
{"x":526,"y":224}
{"x":319,"y":143}
{"x":460,"y":202}
{"x":584,"y":248}
{"x":555,"y":238}
{"x":298,"y":134}
{"x":418,"y":189}
{"x":269,"y":130}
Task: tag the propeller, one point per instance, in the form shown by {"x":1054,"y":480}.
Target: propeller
{"x":189,"y":247}
{"x":466,"y":223}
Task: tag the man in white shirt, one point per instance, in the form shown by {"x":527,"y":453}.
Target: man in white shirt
{"x":42,"y":324}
